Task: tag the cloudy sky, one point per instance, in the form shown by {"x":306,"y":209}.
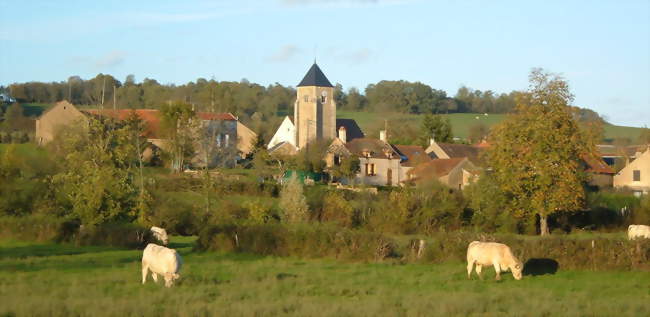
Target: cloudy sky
{"x":601,"y":47}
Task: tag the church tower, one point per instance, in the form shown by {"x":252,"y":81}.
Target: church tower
{"x":314,"y":111}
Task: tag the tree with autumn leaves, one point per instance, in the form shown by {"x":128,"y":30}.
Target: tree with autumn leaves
{"x":537,"y":150}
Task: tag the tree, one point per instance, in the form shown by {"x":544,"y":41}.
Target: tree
{"x":293,"y":204}
{"x":433,"y":126}
{"x":478,"y":132}
{"x":537,"y":151}
{"x":348,"y":168}
{"x":179,"y":126}
{"x":97,"y":181}
{"x":644,"y":136}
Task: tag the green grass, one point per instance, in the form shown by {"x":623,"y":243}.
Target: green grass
{"x":460,"y":122}
{"x":61,"y":280}
{"x":26,"y":150}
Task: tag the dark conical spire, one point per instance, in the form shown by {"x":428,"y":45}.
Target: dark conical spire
{"x":315,"y":77}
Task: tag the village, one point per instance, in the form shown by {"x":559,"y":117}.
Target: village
{"x":324,"y":158}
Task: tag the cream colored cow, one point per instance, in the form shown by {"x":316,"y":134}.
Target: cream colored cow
{"x":161,"y":260}
{"x":160,"y":234}
{"x":638,"y":231}
{"x":495,"y":254}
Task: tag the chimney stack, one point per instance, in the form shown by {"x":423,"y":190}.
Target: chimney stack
{"x":343,"y":134}
{"x":382,"y":135}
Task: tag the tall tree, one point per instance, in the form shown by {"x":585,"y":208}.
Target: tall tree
{"x":434,"y":126}
{"x":180,"y":126}
{"x":537,"y":151}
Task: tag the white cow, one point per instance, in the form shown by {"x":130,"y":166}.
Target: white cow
{"x":492,"y":253}
{"x":638,"y":231}
{"x":160,"y":234}
{"x":161,"y":260}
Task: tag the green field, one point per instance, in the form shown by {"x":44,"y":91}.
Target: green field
{"x":63,"y":280}
{"x":460,"y":122}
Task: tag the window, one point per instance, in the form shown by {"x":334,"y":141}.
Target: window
{"x":370,"y":170}
{"x":323,"y":97}
{"x":306,"y":98}
{"x":337,"y":160}
{"x":636,"y":175}
{"x":227,"y":139}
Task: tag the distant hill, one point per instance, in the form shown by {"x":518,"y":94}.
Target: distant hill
{"x":460,"y":122}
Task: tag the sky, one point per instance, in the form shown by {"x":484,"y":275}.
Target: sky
{"x":602,"y":48}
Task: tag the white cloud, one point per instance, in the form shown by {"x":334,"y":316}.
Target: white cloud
{"x":111,"y":59}
{"x":286,"y":53}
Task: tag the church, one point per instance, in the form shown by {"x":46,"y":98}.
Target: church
{"x":314,"y":116}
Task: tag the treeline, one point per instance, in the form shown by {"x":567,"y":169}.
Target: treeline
{"x":244,"y":98}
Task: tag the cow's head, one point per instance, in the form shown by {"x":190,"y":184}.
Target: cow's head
{"x":516,"y":270}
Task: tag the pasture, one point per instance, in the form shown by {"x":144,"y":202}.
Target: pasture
{"x":63,"y":280}
{"x":460,"y":122}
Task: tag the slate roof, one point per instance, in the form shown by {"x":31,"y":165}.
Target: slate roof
{"x":352,"y":130}
{"x":412,"y":155}
{"x":315,"y":77}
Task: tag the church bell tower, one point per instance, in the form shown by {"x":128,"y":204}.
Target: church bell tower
{"x":314,"y":110}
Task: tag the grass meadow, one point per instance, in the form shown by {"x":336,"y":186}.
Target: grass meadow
{"x":63,"y":280}
{"x":460,"y":122}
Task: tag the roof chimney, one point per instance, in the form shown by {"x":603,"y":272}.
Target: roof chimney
{"x":382,"y":135}
{"x":343,"y":134}
{"x":432,"y":141}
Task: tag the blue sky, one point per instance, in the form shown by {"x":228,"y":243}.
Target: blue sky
{"x":601,"y":47}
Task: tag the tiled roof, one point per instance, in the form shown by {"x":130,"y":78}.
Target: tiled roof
{"x":437,"y":167}
{"x":462,"y":150}
{"x":596,"y":165}
{"x":374,"y":147}
{"x":152,"y":118}
{"x":412,"y":155}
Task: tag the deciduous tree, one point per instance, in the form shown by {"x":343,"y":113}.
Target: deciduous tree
{"x":537,"y":151}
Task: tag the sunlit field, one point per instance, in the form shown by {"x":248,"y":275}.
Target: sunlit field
{"x":63,"y":280}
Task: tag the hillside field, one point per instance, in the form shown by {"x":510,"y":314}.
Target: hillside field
{"x":460,"y":122}
{"x":63,"y":280}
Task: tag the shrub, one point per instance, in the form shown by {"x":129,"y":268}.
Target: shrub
{"x":39,"y":228}
{"x":293,"y":205}
{"x":300,"y":240}
{"x":125,"y":235}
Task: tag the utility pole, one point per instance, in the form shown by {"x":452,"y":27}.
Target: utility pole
{"x":103,"y":89}
{"x":114,"y":98}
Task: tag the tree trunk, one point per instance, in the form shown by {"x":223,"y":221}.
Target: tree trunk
{"x":543,"y":225}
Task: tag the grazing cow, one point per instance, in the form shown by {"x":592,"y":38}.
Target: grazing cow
{"x":160,"y":234}
{"x":161,"y":260}
{"x":492,"y":253}
{"x":638,"y":231}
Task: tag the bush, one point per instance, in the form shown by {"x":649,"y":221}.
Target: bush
{"x":125,"y":235}
{"x":310,"y":241}
{"x":43,"y":228}
{"x":39,"y":228}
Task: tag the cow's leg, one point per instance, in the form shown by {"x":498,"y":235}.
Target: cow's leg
{"x":145,"y":270}
{"x":168,"y":279}
{"x":470,"y":266}
{"x":497,"y":268}
{"x":479,"y":268}
{"x":155,"y":277}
